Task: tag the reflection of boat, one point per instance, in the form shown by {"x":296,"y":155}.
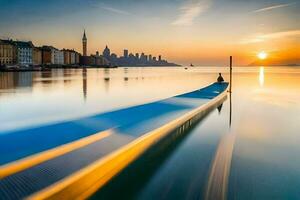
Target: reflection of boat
{"x":100,"y":147}
{"x":217,"y":187}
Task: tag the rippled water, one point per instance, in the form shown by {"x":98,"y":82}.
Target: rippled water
{"x":254,"y":157}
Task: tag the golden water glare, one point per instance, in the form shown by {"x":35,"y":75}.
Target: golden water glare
{"x":261,"y":76}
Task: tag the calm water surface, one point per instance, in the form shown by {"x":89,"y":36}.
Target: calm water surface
{"x":254,"y":157}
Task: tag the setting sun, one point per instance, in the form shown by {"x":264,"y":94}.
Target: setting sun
{"x":262,"y":55}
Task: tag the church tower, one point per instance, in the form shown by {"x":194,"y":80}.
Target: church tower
{"x":84,"y":44}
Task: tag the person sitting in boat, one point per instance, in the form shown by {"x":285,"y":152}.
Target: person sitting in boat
{"x":220,"y":78}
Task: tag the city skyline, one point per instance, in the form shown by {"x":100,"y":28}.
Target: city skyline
{"x":25,"y":55}
{"x":183,"y":31}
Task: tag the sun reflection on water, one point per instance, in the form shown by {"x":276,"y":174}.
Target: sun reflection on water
{"x":261,"y":76}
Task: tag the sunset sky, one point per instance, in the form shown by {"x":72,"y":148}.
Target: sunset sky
{"x":203,"y":32}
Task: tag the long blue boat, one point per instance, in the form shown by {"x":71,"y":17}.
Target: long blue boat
{"x":73,"y":159}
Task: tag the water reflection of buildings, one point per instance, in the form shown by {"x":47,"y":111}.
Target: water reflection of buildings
{"x":126,"y":77}
{"x":13,"y":80}
{"x":106,"y":79}
{"x":67,"y":75}
{"x":84,"y":83}
{"x":46,"y":77}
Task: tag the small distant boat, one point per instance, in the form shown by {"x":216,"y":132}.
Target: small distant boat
{"x":185,"y":68}
{"x":192,"y":65}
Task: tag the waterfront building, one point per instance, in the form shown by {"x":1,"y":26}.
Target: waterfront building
{"x":77,"y":58}
{"x":37,"y":56}
{"x":46,"y":55}
{"x":144,"y":58}
{"x":87,"y":61}
{"x":114,"y":60}
{"x":129,"y":59}
{"x":94,"y":60}
{"x":67,"y":56}
{"x":51,"y":55}
{"x":60,"y":57}
{"x":84,"y":44}
{"x":100,"y":60}
{"x":7,"y":52}
{"x":71,"y":57}
{"x":24,"y":53}
{"x":57,"y":56}
{"x":106,"y":52}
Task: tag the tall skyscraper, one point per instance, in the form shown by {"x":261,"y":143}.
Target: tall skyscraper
{"x":84,"y":44}
{"x":159,"y":58}
{"x":125,"y":53}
